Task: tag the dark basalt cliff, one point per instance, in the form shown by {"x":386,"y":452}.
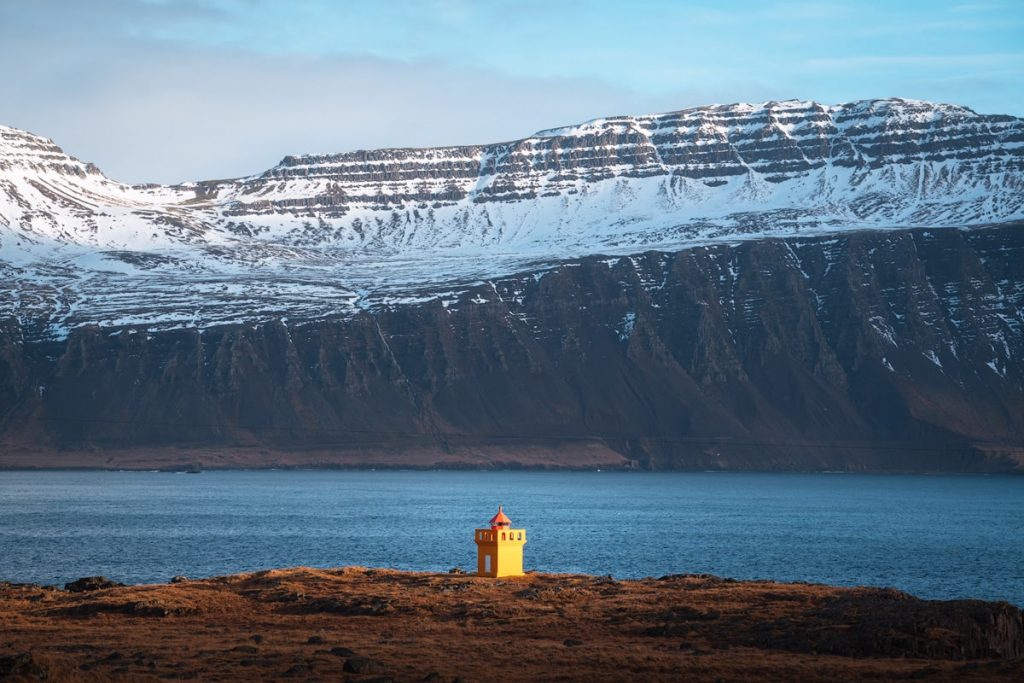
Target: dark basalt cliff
{"x":865,"y":351}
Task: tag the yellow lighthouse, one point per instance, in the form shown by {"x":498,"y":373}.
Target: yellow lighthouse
{"x":499,"y":549}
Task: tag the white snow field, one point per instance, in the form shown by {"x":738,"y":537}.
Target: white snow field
{"x":326,"y":235}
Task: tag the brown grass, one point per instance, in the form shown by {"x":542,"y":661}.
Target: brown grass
{"x":284,"y":624}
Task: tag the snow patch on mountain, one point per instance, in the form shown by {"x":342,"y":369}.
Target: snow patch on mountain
{"x":321,"y":235}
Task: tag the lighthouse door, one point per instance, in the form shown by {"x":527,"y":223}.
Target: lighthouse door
{"x":487,"y":563}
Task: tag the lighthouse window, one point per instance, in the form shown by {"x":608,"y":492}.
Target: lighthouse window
{"x":503,"y":535}
{"x":520,"y":536}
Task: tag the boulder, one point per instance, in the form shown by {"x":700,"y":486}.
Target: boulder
{"x":364,"y":665}
{"x":91,"y":583}
{"x":22,"y":665}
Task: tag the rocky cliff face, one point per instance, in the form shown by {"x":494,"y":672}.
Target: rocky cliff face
{"x":886,"y":350}
{"x":838,"y":146}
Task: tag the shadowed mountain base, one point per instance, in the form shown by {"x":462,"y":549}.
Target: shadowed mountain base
{"x":871,"y":351}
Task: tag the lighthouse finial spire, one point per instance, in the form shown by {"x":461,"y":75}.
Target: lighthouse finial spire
{"x":500,"y":519}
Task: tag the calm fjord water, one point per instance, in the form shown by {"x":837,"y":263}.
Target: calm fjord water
{"x":935,"y":536}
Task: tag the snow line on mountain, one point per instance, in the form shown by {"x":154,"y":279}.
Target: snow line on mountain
{"x":332,"y":234}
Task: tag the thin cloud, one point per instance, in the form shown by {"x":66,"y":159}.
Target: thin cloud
{"x":216,"y":113}
{"x":171,"y":90}
{"x":895,"y":61}
{"x":977,"y":8}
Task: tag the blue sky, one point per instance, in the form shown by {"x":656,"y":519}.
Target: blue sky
{"x":167,"y":90}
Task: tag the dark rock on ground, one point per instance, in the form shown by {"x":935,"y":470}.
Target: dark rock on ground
{"x":364,"y":665}
{"x":300,"y":669}
{"x":137,"y":608}
{"x":90,"y":583}
{"x":22,"y":665}
{"x":867,"y":623}
{"x":356,"y":606}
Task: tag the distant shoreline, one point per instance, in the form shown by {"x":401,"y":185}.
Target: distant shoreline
{"x":580,"y":458}
{"x":498,"y":468}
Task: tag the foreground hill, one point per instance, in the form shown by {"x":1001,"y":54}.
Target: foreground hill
{"x":357,"y":624}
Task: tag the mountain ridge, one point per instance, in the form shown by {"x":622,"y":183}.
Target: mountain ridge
{"x":398,"y":225}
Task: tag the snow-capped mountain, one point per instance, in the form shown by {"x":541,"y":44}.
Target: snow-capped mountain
{"x":780,"y":286}
{"x":323,"y":235}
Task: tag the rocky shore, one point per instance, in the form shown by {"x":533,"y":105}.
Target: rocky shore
{"x":373,"y":624}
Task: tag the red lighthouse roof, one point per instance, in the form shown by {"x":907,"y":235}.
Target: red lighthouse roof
{"x":500,"y":519}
